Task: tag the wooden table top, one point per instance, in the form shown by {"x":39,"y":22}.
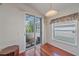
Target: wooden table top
{"x":9,"y":49}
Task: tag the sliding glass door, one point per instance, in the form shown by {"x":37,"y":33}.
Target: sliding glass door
{"x":33,"y":26}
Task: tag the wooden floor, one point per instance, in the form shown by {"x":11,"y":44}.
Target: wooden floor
{"x":50,"y":50}
{"x":46,"y":50}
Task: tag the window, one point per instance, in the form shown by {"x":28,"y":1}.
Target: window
{"x":65,"y":32}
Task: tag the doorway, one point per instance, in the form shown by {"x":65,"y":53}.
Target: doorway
{"x":33,"y":26}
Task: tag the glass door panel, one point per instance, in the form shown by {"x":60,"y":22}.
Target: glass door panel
{"x":37,"y":32}
{"x":29,"y":31}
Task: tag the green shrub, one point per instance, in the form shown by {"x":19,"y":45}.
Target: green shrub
{"x":29,"y":27}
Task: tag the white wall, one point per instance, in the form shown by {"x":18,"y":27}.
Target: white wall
{"x":12,"y":25}
{"x":69,"y":48}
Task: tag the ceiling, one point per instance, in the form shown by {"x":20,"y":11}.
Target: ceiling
{"x":44,"y":7}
